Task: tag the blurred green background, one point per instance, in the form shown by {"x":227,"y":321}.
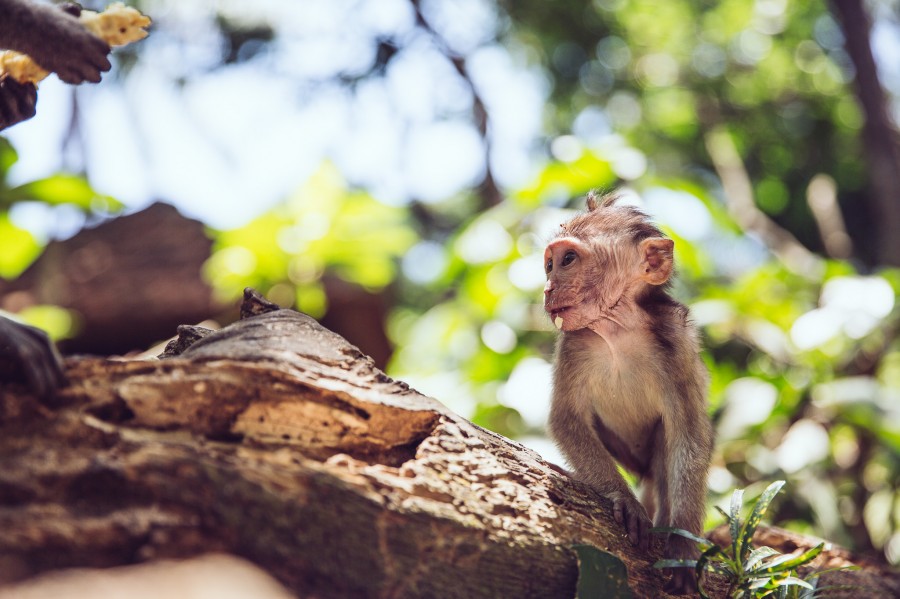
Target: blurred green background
{"x":421,"y":152}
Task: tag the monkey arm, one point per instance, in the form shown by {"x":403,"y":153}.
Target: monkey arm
{"x":54,"y":38}
{"x":27,"y":353}
{"x":17,"y":102}
{"x":594,"y":465}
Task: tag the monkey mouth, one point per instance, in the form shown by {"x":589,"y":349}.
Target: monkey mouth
{"x":554,"y":312}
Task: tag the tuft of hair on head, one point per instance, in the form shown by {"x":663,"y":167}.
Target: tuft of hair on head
{"x":596,"y":200}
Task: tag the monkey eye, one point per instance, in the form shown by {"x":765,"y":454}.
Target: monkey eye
{"x":569,"y":258}
{"x":549,"y":266}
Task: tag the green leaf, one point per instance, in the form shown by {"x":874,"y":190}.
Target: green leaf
{"x":568,"y":179}
{"x":725,"y":514}
{"x":758,"y":582}
{"x":734,"y":520}
{"x":787,"y":562}
{"x":704,"y":543}
{"x":19,"y":248}
{"x":757,"y":555}
{"x":8,"y":157}
{"x":62,"y":189}
{"x":793,"y":581}
{"x":324,"y":227}
{"x":600,"y":574}
{"x":749,"y":527}
{"x":675,"y":563}
{"x":58,"y":322}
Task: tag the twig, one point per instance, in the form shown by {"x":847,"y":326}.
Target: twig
{"x":488,"y":190}
{"x":821,"y":196}
{"x":739,"y":197}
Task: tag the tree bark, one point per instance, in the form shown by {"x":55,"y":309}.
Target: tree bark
{"x":275,"y":440}
{"x":126,"y":291}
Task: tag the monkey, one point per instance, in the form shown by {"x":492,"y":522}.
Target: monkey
{"x":58,"y":42}
{"x":17,"y":102}
{"x":629,"y":385}
{"x":55,"y":40}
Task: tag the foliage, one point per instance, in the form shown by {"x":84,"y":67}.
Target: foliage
{"x":665,"y":76}
{"x":324,"y":224}
{"x":20,"y":247}
{"x":749,"y":572}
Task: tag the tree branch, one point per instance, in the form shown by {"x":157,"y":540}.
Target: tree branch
{"x":488,"y":190}
{"x":739,"y":196}
{"x":276,"y":440}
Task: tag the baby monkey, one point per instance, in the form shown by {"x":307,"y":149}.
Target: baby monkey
{"x":628,"y":385}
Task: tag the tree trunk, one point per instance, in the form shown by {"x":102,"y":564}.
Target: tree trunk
{"x":275,"y":440}
{"x":879,"y":135}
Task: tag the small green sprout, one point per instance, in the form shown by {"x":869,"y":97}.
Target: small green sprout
{"x":751,"y":573}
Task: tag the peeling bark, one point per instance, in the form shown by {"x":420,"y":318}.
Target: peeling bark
{"x":277,"y":441}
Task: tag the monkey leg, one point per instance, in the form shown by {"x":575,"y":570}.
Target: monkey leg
{"x":684,"y":485}
{"x":594,"y":465}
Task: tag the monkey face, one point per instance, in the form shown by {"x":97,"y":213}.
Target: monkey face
{"x":574,"y":283}
{"x":594,"y":281}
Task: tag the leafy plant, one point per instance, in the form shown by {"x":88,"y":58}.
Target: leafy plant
{"x":760,"y":572}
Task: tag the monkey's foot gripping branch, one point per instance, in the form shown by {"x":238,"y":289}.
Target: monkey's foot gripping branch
{"x":118,"y":25}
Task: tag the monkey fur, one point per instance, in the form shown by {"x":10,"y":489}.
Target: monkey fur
{"x":629,"y":385}
{"x":54,"y":38}
{"x":17,"y":102}
{"x":27,"y":355}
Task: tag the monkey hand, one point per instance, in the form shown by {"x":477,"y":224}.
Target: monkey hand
{"x":26,"y":353}
{"x":63,"y":45}
{"x":17,"y":101}
{"x":629,"y":512}
{"x":682,"y":581}
{"x":72,"y":42}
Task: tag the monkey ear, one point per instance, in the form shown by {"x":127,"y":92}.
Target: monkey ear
{"x":656,"y":259}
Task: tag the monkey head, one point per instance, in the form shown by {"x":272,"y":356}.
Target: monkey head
{"x":601,"y":264}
